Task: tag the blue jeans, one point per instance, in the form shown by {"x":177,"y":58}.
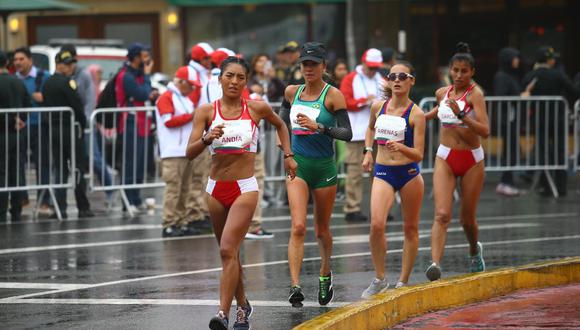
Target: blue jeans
{"x":99,"y":167}
{"x":133,"y":147}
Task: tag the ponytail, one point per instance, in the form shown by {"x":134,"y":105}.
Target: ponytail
{"x":462,"y":54}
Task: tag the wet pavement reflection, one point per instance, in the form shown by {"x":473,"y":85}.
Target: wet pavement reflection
{"x":116,"y":272}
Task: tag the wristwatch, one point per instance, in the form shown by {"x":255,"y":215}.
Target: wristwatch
{"x":461,"y":114}
{"x":321,"y":128}
{"x":367,"y":149}
{"x":288,"y":155}
{"x":205,"y":141}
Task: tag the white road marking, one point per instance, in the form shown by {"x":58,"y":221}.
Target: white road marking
{"x":102,"y":229}
{"x":278,"y":262}
{"x":179,"y":302}
{"x":42,"y":286}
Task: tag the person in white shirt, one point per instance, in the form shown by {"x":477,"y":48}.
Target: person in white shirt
{"x":174,"y":112}
{"x":360,"y":88}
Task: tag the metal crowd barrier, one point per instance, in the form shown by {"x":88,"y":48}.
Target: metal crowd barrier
{"x":527,"y":134}
{"x":125,"y":156}
{"x":34,"y":156}
{"x":577,"y":136}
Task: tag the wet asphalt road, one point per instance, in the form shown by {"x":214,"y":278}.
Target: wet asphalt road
{"x":113,"y":272}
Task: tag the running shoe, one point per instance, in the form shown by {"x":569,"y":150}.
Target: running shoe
{"x":325,"y":291}
{"x":507,"y":190}
{"x":296,"y":295}
{"x":259,"y":234}
{"x":243,"y":314}
{"x":476,"y":262}
{"x":433,"y":272}
{"x":219,"y":322}
{"x":376,"y":286}
{"x":400,"y":285}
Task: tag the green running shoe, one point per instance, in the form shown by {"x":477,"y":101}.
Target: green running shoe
{"x":325,"y":291}
{"x":476,"y":262}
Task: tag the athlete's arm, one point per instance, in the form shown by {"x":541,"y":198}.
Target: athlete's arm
{"x":195,"y":145}
{"x":286,"y":105}
{"x":479,"y":123}
{"x":439,"y":96}
{"x":368,"y":160}
{"x":416,"y":153}
{"x":265,"y":111}
{"x":342,"y":131}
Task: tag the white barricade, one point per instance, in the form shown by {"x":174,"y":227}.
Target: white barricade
{"x":39,"y":156}
{"x":124,"y":156}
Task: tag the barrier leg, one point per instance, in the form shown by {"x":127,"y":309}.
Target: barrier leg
{"x":37,"y":204}
{"x":126,"y":203}
{"x":552,"y":184}
{"x":54,"y":202}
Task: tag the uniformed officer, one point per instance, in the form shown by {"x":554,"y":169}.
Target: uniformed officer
{"x":60,"y":91}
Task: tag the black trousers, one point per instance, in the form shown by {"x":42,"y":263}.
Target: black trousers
{"x":9,"y":163}
{"x":61,"y":151}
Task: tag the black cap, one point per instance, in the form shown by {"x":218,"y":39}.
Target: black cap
{"x":312,"y":51}
{"x":289,"y":47}
{"x":545,"y":53}
{"x":70,"y":48}
{"x":135,"y":50}
{"x":64,"y":57}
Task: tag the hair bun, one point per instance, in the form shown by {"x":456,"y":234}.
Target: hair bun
{"x":462,"y":47}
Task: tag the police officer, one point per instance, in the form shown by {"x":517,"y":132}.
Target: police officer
{"x":61,"y":91}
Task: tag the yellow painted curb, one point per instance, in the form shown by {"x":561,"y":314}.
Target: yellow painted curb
{"x":394,"y":306}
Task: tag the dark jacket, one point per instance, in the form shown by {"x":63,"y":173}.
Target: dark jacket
{"x":505,"y":81}
{"x":60,"y":91}
{"x":550,"y":81}
{"x":13,"y":94}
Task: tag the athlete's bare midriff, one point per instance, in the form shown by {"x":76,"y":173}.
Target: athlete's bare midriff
{"x":459,"y":138}
{"x":391,"y":158}
{"x":232,"y":167}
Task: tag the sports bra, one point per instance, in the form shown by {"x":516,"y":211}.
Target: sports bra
{"x":394,"y":128}
{"x":445,"y":113}
{"x":240,"y":134}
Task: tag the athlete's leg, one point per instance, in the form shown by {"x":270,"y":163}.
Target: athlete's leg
{"x":298,"y":201}
{"x":233,"y":233}
{"x":471,"y":185}
{"x":382,"y":196}
{"x":323,"y":205}
{"x":411,"y":198}
{"x":443,"y":186}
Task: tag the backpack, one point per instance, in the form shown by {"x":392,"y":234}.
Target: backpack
{"x":38,"y":80}
{"x":108,"y":99}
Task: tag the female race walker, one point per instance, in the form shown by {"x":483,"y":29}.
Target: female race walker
{"x":398,"y":126}
{"x":317,"y":114}
{"x":461,"y":110}
{"x":232,"y":133}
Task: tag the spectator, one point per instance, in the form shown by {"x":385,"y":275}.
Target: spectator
{"x":133,"y":88}
{"x":506,"y":83}
{"x":338,"y":70}
{"x":37,"y":130}
{"x":174,"y":115}
{"x":13,"y":94}
{"x":99,"y":166}
{"x":60,"y":91}
{"x":360,"y":88}
{"x":262,"y":74}
{"x":199,"y":68}
{"x":546,"y":80}
{"x":293,"y":74}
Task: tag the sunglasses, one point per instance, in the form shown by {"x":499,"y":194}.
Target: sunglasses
{"x":401,"y":75}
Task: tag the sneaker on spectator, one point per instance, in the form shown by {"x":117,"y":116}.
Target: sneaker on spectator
{"x":376,"y":286}
{"x":507,"y":190}
{"x":190,"y":229}
{"x":45,"y":210}
{"x":171,"y":231}
{"x":355,"y":217}
{"x":259,"y":233}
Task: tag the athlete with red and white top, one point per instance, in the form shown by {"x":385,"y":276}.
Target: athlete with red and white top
{"x":229,"y":127}
{"x":462,"y":112}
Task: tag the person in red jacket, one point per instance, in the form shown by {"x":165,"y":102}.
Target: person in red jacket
{"x":174,"y":116}
{"x":360,"y":88}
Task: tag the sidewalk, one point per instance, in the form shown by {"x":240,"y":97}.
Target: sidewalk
{"x":555,"y":307}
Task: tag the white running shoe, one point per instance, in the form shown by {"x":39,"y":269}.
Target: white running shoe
{"x":376,"y":286}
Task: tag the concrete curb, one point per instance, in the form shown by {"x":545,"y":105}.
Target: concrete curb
{"x":394,"y":306}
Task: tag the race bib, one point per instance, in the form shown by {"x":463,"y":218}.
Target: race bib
{"x":311,"y":112}
{"x":446,"y":115}
{"x":237,"y":137}
{"x":390,"y":128}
